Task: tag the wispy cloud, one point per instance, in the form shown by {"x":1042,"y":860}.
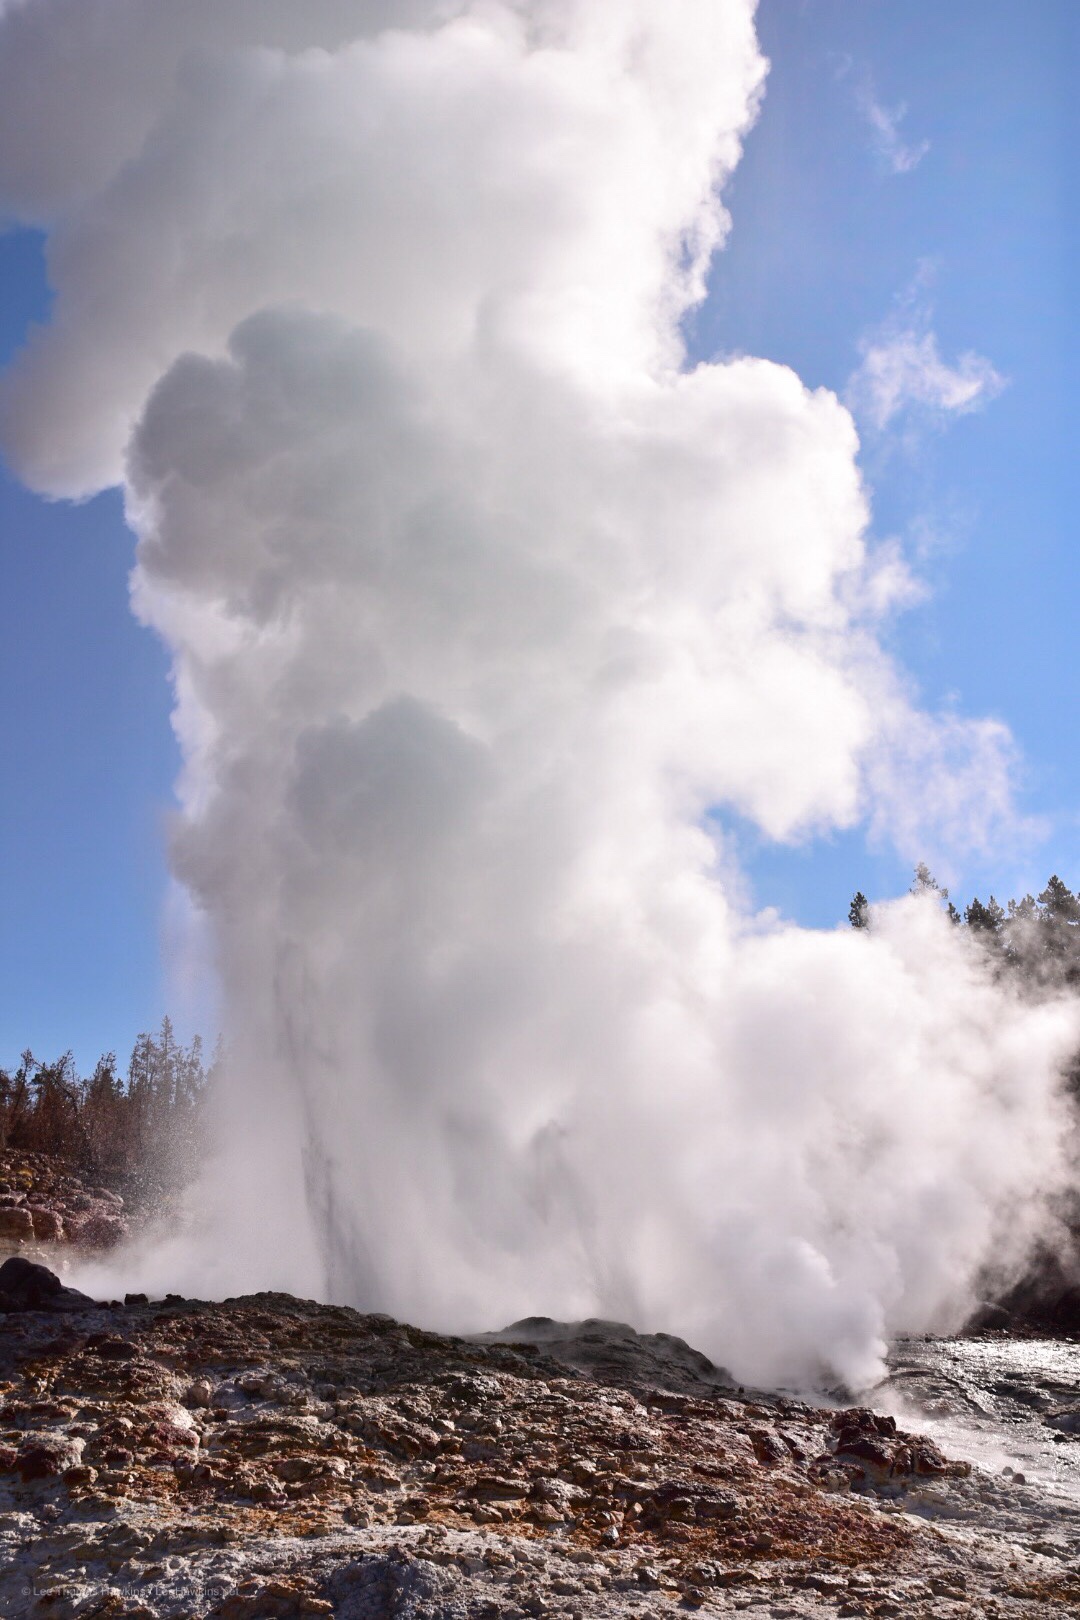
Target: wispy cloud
{"x":897,"y":155}
{"x":902,"y":370}
{"x":906,"y":369}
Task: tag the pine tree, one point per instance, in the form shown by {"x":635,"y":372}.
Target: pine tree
{"x":924,"y":883}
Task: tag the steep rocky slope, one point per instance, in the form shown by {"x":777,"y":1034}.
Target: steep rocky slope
{"x":45,"y":1200}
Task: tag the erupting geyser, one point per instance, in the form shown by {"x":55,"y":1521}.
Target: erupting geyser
{"x":480,"y":602}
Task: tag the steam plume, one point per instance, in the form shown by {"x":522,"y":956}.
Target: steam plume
{"x":480,"y":603}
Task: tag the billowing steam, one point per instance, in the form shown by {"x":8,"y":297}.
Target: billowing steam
{"x":482,"y":604}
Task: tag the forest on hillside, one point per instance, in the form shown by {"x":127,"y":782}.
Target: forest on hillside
{"x":141,"y":1130}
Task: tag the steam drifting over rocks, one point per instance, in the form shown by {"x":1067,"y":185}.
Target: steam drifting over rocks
{"x":483,"y":609}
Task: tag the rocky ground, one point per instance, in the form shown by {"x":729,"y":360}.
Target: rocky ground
{"x":271,"y":1456}
{"x":44,"y":1199}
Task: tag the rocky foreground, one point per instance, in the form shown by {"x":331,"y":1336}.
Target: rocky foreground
{"x":269,"y":1456}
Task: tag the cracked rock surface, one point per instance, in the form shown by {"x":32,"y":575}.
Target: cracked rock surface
{"x":269,"y":1456}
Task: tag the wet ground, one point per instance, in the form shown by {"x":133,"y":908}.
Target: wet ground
{"x":1008,"y":1404}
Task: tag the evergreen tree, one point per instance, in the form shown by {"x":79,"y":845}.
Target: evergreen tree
{"x":923,"y":882}
{"x":1059,"y":902}
{"x":147,"y":1129}
{"x":926,"y":884}
{"x":986,"y":919}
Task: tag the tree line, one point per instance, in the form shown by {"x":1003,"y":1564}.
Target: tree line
{"x":1036,"y":938}
{"x":141,"y":1129}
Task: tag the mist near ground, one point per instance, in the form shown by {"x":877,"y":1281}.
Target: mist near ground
{"x":484,"y":607}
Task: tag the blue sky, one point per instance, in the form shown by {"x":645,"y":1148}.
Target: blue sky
{"x":87,"y":760}
{"x":960,"y":217}
{"x":826,"y":239}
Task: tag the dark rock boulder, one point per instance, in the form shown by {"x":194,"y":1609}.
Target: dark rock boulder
{"x":1045,"y":1300}
{"x":100,"y":1229}
{"x":27,"y":1286}
{"x":48,"y":1226}
{"x":16,"y":1223}
{"x":46,"y":1454}
{"x":869,"y":1444}
{"x":614,"y":1353}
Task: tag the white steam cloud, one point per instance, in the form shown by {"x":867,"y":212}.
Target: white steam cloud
{"x":480,"y":603}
